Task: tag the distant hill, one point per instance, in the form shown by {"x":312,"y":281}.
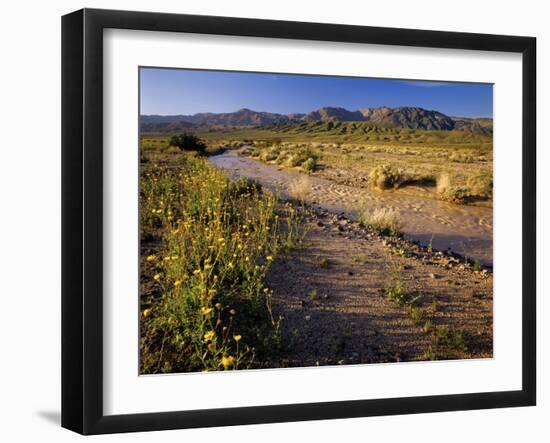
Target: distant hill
{"x":402,"y":117}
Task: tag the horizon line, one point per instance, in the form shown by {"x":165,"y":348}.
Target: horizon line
{"x":315,"y":110}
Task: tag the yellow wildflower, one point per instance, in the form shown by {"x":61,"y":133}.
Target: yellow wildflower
{"x":269,"y":258}
{"x":237,"y":338}
{"x":151,"y":257}
{"x":228,"y":361}
{"x":177,"y":283}
{"x":209,"y":335}
{"x":156,"y":277}
{"x":206,"y":311}
{"x":221,"y":240}
{"x":232,"y":312}
{"x":147,"y":312}
{"x":218,"y":305}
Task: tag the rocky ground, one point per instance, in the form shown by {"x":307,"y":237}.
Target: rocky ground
{"x":333,"y":296}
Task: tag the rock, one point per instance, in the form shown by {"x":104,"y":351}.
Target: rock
{"x":433,"y":276}
{"x":307,"y":317}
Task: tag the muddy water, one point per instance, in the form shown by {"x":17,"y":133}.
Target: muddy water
{"x":464,"y":229}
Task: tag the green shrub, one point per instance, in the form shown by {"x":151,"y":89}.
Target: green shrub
{"x":188,"y":142}
{"x":386,"y":177}
{"x":310,"y":164}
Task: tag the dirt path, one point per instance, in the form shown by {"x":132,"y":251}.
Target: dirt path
{"x":464,"y":229}
{"x":331,"y":293}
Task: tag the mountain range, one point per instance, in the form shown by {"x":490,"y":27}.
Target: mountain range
{"x":401,"y":117}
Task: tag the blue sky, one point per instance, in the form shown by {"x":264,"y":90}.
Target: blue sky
{"x":180,"y":91}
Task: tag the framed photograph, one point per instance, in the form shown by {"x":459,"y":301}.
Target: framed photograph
{"x":269,"y":221}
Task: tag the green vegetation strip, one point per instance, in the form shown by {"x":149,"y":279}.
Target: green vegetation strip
{"x":211,"y":309}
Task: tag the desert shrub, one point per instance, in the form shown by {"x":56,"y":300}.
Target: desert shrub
{"x":386,"y":176}
{"x":478,"y":186}
{"x":461,"y":157}
{"x":187,"y":142}
{"x":300,"y":155}
{"x":382,"y":220}
{"x":310,"y":164}
{"x":300,"y":188}
{"x":281,"y":158}
{"x":269,"y":155}
{"x":481,"y":185}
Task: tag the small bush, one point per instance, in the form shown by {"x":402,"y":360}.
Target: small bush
{"x":382,"y":220}
{"x":300,"y":188}
{"x":395,"y":291}
{"x":310,"y":164}
{"x":269,"y":155}
{"x":450,"y":192}
{"x":386,"y":177}
{"x":188,"y":142}
{"x":481,"y":185}
{"x":301,"y":155}
{"x":415,"y":315}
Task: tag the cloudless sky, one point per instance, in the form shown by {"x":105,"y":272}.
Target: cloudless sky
{"x":180,"y":91}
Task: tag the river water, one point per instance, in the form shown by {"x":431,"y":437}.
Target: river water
{"x":464,"y":229}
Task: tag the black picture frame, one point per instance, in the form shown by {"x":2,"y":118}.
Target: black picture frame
{"x":82,"y":218}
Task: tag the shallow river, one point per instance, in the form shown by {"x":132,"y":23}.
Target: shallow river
{"x":464,"y":229}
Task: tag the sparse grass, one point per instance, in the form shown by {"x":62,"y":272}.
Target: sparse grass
{"x":477,"y":265}
{"x":427,"y":326}
{"x":324,"y":263}
{"x":313,"y":295}
{"x":361,"y":259}
{"x":434,"y":306}
{"x":395,"y":291}
{"x":218,"y":238}
{"x":446,"y":343}
{"x":415,"y":315}
{"x":382,"y":220}
{"x":300,"y":188}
